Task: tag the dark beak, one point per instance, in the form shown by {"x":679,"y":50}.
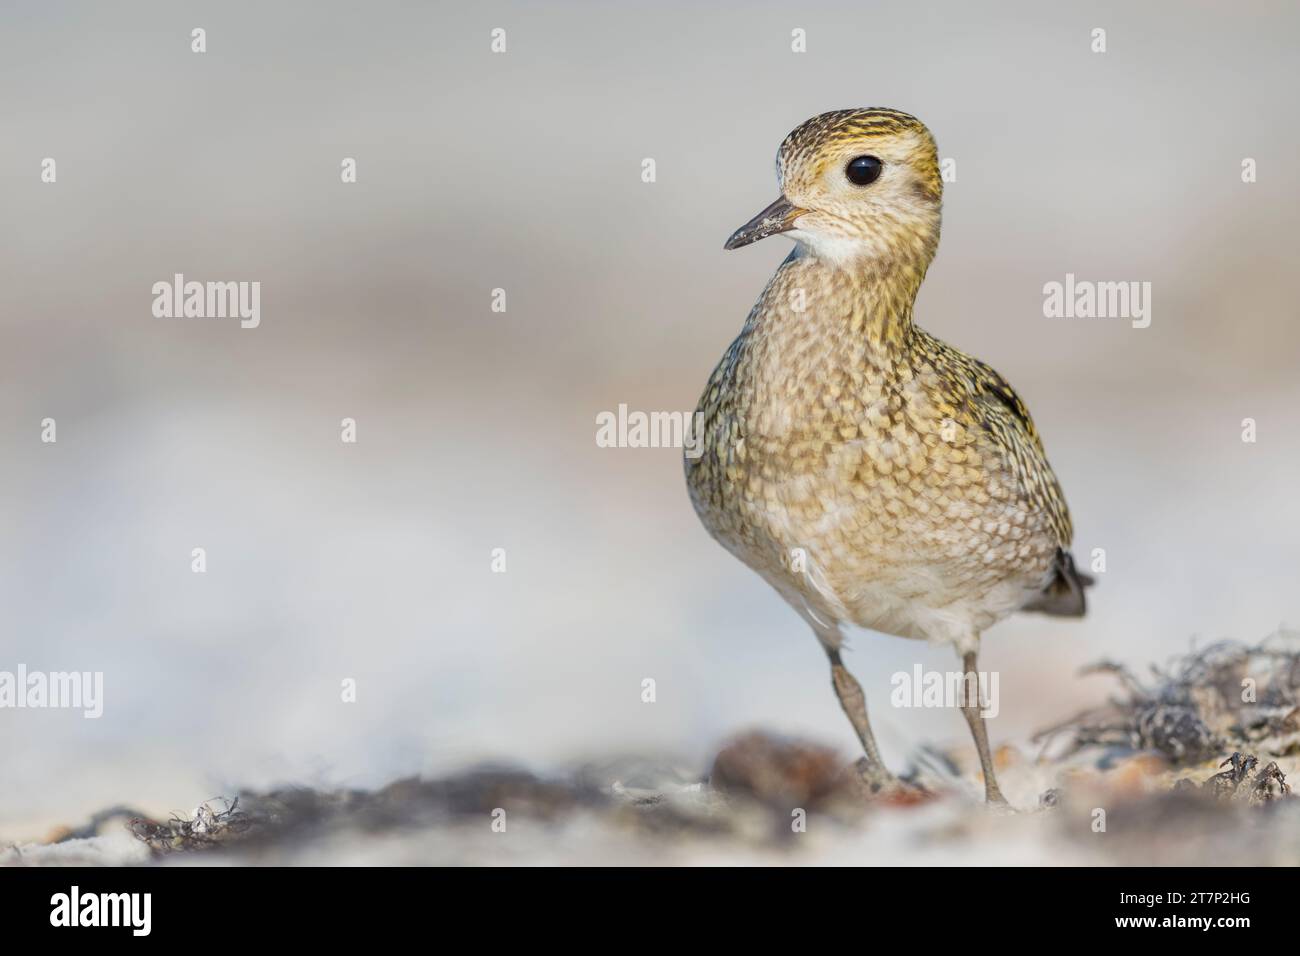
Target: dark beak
{"x":778,"y":217}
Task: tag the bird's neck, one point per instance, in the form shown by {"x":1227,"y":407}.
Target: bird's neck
{"x":860,"y":312}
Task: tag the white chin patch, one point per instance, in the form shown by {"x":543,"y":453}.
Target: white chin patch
{"x":836,"y":249}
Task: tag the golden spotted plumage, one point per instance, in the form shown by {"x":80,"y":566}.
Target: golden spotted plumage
{"x":872,"y":473}
{"x":841,"y":459}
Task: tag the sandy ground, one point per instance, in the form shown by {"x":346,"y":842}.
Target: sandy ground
{"x":1126,"y":813}
{"x":1189,"y":767}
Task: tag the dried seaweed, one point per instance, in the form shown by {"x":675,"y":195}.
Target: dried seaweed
{"x":757,"y":780}
{"x":203,"y":829}
{"x":261,"y":821}
{"x":1226,"y":696}
{"x":1245,"y":779}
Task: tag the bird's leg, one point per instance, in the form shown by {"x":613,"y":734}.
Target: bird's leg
{"x":970,"y":709}
{"x":854,"y":702}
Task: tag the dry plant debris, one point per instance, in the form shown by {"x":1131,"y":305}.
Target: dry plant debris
{"x":204,"y":829}
{"x":1227,"y":696}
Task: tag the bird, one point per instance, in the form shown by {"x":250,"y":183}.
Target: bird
{"x":874,"y":475}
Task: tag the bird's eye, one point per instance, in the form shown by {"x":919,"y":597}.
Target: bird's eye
{"x":864,"y":170}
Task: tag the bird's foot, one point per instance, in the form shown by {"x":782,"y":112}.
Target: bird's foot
{"x":881,"y":785}
{"x":995,"y":803}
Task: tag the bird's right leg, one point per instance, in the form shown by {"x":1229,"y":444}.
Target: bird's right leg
{"x":854,"y":701}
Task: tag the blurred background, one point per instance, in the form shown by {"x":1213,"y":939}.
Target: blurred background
{"x":476,"y":430}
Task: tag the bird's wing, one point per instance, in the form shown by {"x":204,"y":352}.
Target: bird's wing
{"x":1006,"y":418}
{"x":1001,"y":401}
{"x":978,"y":380}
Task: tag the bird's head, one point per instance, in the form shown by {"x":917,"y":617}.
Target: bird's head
{"x":857,"y":187}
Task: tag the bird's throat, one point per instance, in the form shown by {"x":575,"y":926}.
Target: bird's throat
{"x":858,"y":315}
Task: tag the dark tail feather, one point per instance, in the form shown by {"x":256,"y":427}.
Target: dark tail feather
{"x":1063,"y":596}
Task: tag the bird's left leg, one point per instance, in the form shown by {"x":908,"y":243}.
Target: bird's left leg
{"x":971,"y":709}
{"x":854,"y":703}
{"x":871,"y":768}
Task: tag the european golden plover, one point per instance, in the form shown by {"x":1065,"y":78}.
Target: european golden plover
{"x":871,"y":473}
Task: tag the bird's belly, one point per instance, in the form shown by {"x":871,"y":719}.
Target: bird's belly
{"x":948,"y":602}
{"x":895,"y":535}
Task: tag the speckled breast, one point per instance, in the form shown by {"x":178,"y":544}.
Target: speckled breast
{"x":862,"y":489}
